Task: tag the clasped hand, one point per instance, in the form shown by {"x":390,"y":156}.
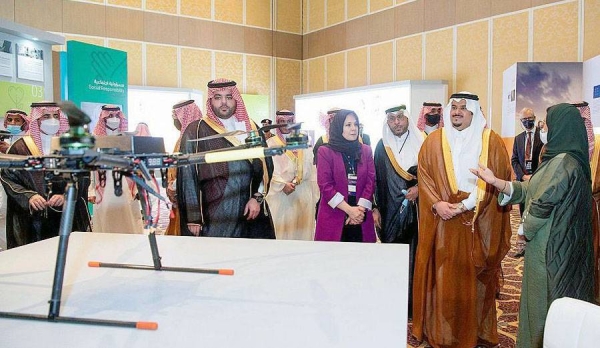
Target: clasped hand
{"x":447,"y":210}
{"x":289,"y":188}
{"x":37,"y":202}
{"x":356,"y":215}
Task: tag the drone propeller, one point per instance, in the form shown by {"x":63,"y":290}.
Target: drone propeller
{"x":292,"y":126}
{"x":217,"y":136}
{"x":74,"y":114}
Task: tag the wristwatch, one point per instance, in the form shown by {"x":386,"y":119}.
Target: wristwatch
{"x":461,"y":207}
{"x":259,"y":197}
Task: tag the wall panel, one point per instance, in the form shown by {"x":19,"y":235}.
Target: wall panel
{"x":409,"y":58}
{"x":134,"y":30}
{"x":316,"y":19}
{"x":289,"y":16}
{"x":288,"y":81}
{"x":166,"y":6}
{"x":591,"y":47}
{"x":128,"y":3}
{"x":7,"y":10}
{"x":229,"y":11}
{"x":316,"y":75}
{"x":381,"y":62}
{"x":508,"y":31}
{"x":472,"y":10}
{"x":377,"y":5}
{"x":196,"y":68}
{"x":195,"y":8}
{"x":258,"y":75}
{"x":134,"y":59}
{"x":161,"y":66}
{"x":438,"y":56}
{"x":258,"y":13}
{"x":84,"y":19}
{"x":48,"y":17}
{"x":336,"y":71}
{"x":356,"y":70}
{"x":230,"y":66}
{"x":555,"y":33}
{"x":357,"y":8}
{"x":472,"y":60}
{"x":336,"y":10}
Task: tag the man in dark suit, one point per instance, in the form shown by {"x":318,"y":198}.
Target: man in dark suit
{"x":525,"y":159}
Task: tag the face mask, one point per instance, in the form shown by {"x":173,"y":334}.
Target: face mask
{"x":433,"y":119}
{"x":544,"y":137}
{"x":113,"y":123}
{"x":13,"y":129}
{"x":528,"y":124}
{"x":50,"y":126}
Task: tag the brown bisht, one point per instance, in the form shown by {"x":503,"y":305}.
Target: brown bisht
{"x":458,"y":260}
{"x":596,"y":216}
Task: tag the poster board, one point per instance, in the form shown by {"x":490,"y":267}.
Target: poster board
{"x":95,"y":76}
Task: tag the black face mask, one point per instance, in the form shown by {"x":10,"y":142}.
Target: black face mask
{"x":528,"y":124}
{"x":432,"y":118}
{"x":177,"y":124}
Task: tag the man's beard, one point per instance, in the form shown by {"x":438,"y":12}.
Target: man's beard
{"x":225,"y":116}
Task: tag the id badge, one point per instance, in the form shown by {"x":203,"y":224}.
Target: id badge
{"x":528,"y":164}
{"x":352,"y":184}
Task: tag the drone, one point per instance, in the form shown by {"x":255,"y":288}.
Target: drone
{"x":76,"y":152}
{"x":76,"y":156}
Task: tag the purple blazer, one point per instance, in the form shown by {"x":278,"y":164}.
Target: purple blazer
{"x":332,"y":178}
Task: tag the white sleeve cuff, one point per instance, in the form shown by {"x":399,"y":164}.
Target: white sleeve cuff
{"x":508,"y":196}
{"x":470,"y":201}
{"x":365,"y":203}
{"x":336,"y":200}
{"x":520,"y":231}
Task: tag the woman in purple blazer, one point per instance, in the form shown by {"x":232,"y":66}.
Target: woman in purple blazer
{"x":346,"y":178}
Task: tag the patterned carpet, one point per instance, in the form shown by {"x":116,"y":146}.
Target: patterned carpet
{"x":508,"y":304}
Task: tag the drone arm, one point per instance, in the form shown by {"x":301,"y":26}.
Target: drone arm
{"x":93,"y":158}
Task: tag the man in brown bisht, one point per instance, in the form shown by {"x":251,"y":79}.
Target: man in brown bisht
{"x":463,"y":233}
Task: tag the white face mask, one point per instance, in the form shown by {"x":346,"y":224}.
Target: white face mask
{"x":113,"y":123}
{"x":50,"y":126}
{"x":544,"y":137}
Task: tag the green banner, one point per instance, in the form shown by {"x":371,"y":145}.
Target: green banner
{"x":96,"y":76}
{"x":19,"y":96}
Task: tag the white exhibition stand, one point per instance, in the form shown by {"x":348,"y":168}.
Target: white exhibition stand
{"x":283,"y":293}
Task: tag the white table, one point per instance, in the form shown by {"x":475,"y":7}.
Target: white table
{"x":283,"y":293}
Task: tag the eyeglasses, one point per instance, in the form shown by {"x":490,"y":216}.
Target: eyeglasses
{"x":394,"y":118}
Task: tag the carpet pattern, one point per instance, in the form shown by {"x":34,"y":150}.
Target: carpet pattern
{"x":510,"y":292}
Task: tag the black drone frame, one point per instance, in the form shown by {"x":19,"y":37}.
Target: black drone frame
{"x":76,"y":158}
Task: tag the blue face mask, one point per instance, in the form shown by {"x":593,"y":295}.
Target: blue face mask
{"x":528,"y":124}
{"x":13,"y":129}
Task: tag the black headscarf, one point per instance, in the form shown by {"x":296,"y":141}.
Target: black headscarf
{"x":337,"y":142}
{"x":567,"y":134}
